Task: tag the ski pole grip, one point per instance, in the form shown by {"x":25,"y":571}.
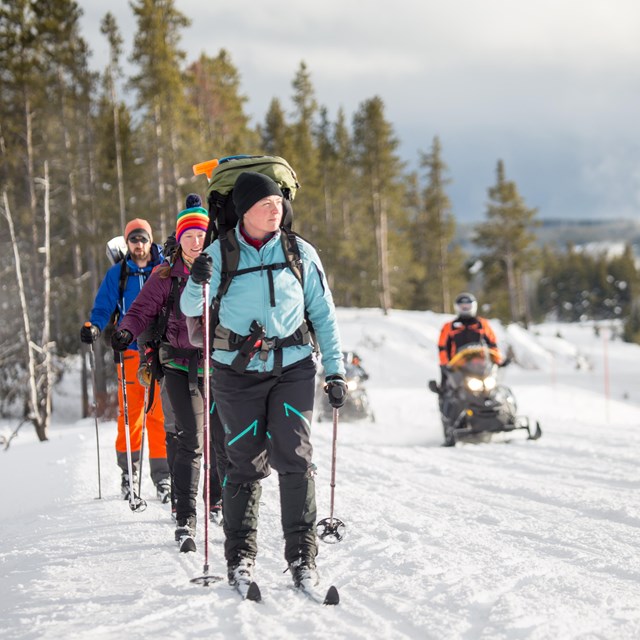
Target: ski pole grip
{"x":337,"y":391}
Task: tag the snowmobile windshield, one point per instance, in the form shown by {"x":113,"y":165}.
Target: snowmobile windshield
{"x":478,"y":360}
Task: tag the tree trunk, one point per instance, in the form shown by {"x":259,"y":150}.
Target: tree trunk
{"x":176,"y":179}
{"x":118,"y":145}
{"x":160,"y":172}
{"x":44,"y":416}
{"x":30,"y":180}
{"x":380,"y":216}
{"x":511,"y":286}
{"x":32,"y":401}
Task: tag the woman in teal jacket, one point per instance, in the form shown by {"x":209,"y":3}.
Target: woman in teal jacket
{"x":263,"y":375}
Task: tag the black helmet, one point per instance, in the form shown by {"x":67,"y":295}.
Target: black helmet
{"x":466,"y":305}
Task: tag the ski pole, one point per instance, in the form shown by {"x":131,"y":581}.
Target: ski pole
{"x":144,"y":428}
{"x":135,"y":503}
{"x":331,"y":529}
{"x":206,"y":579}
{"x":92,"y":367}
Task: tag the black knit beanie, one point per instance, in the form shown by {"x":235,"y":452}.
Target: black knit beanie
{"x":251,"y":187}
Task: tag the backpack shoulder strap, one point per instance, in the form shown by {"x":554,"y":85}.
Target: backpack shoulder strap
{"x":292,"y":255}
{"x":122,"y":285}
{"x":229,"y":261}
{"x":172,"y":302}
{"x":289,"y":241}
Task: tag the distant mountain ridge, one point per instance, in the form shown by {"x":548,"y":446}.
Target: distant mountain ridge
{"x":561,"y":232}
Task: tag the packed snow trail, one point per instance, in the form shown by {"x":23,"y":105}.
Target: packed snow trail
{"x":499,"y":541}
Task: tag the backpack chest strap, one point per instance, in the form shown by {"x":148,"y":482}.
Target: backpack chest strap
{"x":269,"y":268}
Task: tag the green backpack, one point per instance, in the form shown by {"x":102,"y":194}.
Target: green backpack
{"x":222,"y":175}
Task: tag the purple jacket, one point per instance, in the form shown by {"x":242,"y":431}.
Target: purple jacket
{"x":151,"y":302}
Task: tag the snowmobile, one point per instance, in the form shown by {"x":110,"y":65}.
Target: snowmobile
{"x":356,"y":406}
{"x":473,"y":406}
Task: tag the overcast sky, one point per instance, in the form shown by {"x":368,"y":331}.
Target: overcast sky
{"x":552,"y":87}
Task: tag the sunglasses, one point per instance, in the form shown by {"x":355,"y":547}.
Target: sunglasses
{"x":138,"y":239}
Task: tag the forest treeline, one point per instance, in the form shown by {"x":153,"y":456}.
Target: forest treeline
{"x":81,"y":152}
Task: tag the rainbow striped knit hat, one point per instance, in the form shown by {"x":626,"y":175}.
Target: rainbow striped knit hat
{"x":191,"y":218}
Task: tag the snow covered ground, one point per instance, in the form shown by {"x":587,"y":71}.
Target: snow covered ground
{"x":507,"y":540}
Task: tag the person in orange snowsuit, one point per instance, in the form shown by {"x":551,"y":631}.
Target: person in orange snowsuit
{"x":142,"y":256}
{"x":466,"y":328}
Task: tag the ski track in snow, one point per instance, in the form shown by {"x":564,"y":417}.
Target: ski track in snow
{"x":507,"y":540}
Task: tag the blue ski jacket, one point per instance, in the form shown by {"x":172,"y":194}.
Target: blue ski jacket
{"x":108,"y":297}
{"x":248,"y":299}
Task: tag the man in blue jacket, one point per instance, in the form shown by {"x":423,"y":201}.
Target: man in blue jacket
{"x":264,"y":388}
{"x":118,"y":290}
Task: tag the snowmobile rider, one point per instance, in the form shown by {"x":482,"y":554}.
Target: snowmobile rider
{"x":265,"y":393}
{"x":182,"y":365}
{"x":142,"y":256}
{"x":466,"y":328}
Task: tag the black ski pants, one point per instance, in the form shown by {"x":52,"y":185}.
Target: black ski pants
{"x":267,"y":422}
{"x":266,"y":418}
{"x":189,"y":418}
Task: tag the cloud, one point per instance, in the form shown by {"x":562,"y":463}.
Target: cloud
{"x":551,"y":87}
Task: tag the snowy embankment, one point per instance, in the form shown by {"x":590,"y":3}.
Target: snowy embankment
{"x":502,"y":540}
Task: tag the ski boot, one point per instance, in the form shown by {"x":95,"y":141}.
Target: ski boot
{"x":185,"y":534}
{"x":215,"y":513}
{"x":163,"y":489}
{"x":124,"y":485}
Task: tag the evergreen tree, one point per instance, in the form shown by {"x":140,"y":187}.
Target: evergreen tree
{"x":213,"y":87}
{"x":336,"y":236}
{"x":167,"y":116}
{"x":109,"y":28}
{"x":301,"y":151}
{"x":380,"y":197}
{"x":434,"y":235}
{"x":274,"y":132}
{"x":44,"y":105}
{"x":508,"y":240}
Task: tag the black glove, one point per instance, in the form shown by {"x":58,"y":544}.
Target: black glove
{"x":336,"y":388}
{"x":202,"y":268}
{"x":121,"y":339}
{"x":89,"y":333}
{"x":169,"y":246}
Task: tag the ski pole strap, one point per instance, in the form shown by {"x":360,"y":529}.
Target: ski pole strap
{"x":248,"y":346}
{"x":152,"y":357}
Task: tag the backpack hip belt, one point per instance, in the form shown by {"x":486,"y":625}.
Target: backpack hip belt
{"x":247,"y":346}
{"x":169,"y":352}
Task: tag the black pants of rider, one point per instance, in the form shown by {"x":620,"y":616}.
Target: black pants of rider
{"x":267,"y":422}
{"x":187,"y":458}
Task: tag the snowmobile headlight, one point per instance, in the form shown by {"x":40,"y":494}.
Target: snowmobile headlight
{"x":490,"y":383}
{"x":474,"y":384}
{"x":352,"y":385}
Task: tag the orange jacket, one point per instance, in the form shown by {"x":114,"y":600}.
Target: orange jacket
{"x":463,"y":331}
